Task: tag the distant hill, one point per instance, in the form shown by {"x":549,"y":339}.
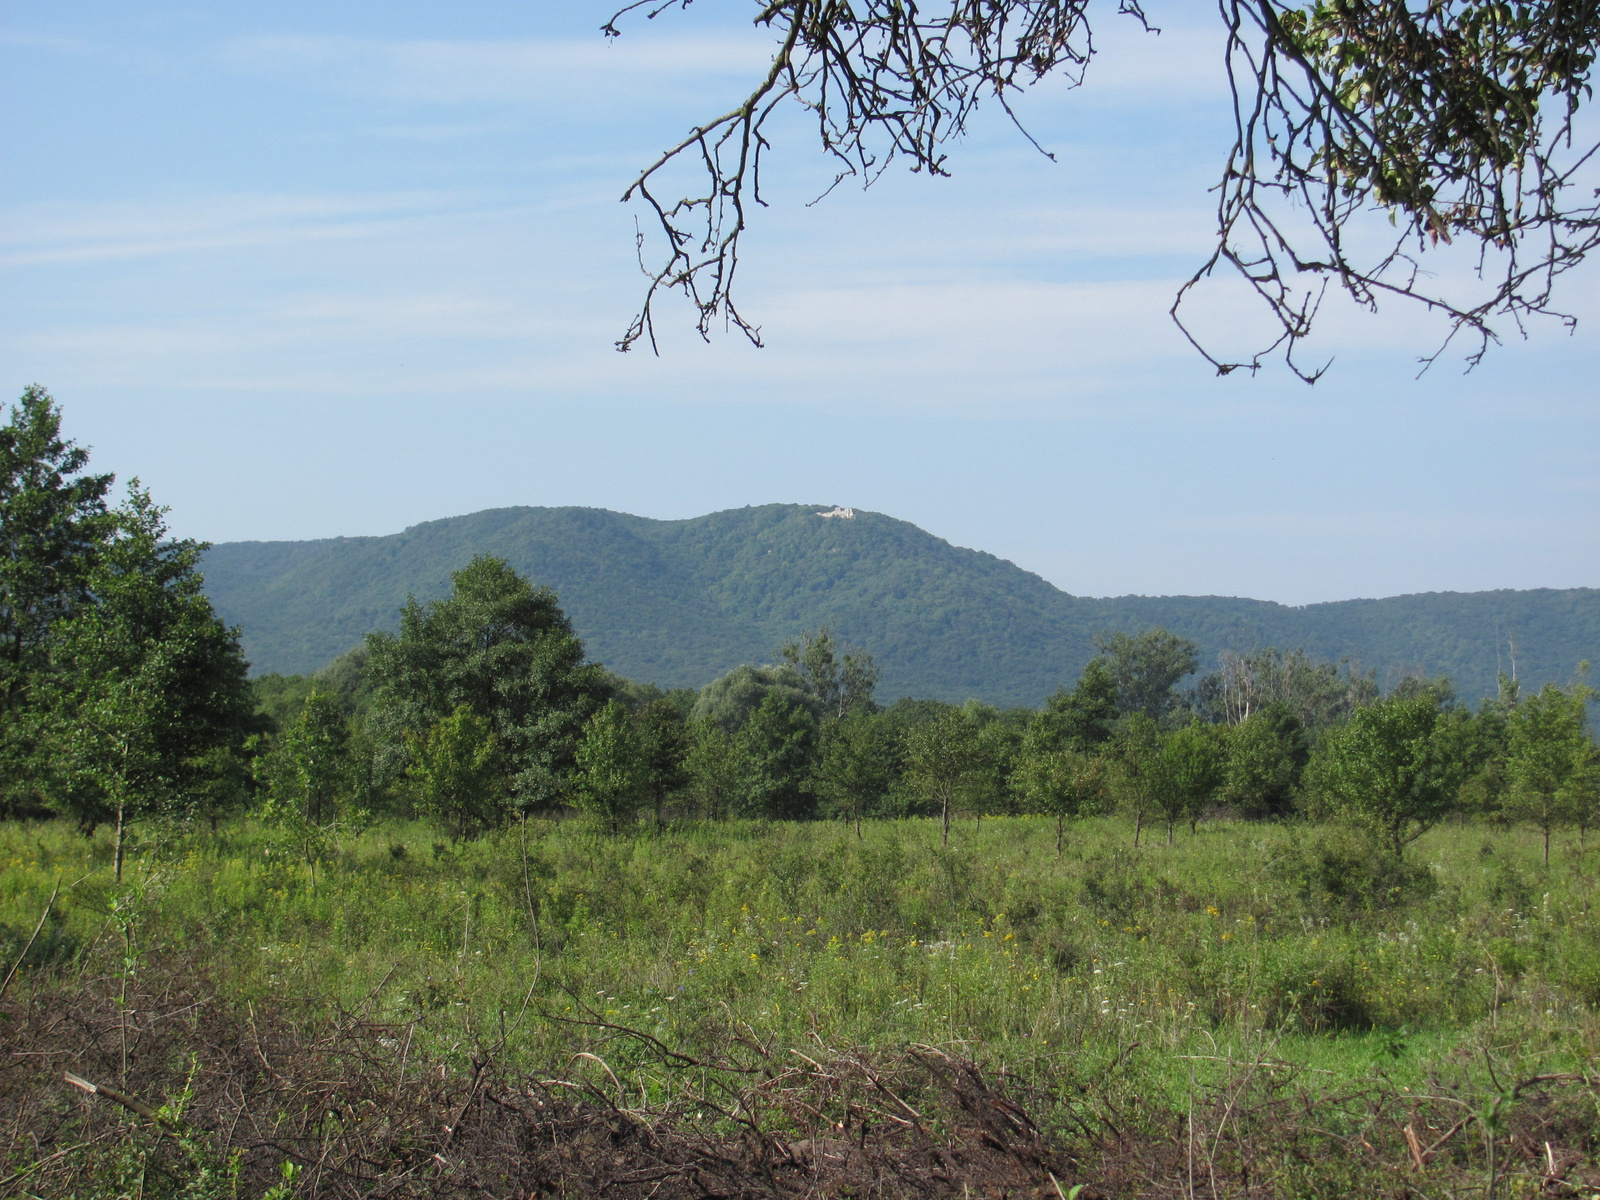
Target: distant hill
{"x":679,"y":602}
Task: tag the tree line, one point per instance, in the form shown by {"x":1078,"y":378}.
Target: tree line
{"x":481,"y":709}
{"x":122,"y":694}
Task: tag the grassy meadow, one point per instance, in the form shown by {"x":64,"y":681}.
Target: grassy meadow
{"x":1133,"y":984}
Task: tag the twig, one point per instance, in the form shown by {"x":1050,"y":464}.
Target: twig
{"x":43,"y":917}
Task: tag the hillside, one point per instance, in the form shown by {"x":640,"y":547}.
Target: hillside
{"x":678,"y":602}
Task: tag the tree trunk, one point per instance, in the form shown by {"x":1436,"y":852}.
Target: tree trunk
{"x":1170,"y":824}
{"x":1061,"y":825}
{"x":1547,"y":845}
{"x":858,"y":824}
{"x":944,"y":819}
{"x":1138,"y":827}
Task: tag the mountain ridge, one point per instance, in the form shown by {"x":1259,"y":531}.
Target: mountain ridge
{"x":677,"y":602}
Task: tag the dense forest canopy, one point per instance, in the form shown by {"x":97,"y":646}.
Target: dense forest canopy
{"x":683,"y":602}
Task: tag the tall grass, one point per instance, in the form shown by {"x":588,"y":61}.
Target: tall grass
{"x":1170,"y":962}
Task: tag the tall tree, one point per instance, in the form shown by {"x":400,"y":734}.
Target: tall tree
{"x":53,"y":523}
{"x":1552,"y":766}
{"x":732,"y":698}
{"x":1147,"y":667}
{"x":503,"y":649}
{"x":840,"y":681}
{"x":145,"y":683}
{"x":1318,"y":693}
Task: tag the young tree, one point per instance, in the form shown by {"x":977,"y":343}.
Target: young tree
{"x":1552,"y":766}
{"x":457,"y":774}
{"x":1133,"y":755}
{"x":1396,"y":767}
{"x":855,"y":768}
{"x":1064,"y":783}
{"x":945,"y":764}
{"x":503,"y":649}
{"x":713,"y":768}
{"x":1187,"y":772}
{"x":664,"y":735}
{"x":146,"y":685}
{"x":314,"y":757}
{"x":613,"y":777}
{"x":1267,"y":754}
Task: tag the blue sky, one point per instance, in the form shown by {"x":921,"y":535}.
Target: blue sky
{"x":313,"y":270}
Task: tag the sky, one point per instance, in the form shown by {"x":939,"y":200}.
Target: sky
{"x":312,"y":270}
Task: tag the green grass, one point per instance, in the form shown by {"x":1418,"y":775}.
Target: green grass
{"x":1282,"y":987}
{"x":1243,"y":939}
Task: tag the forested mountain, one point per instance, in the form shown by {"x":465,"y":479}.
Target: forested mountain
{"x":679,"y":602}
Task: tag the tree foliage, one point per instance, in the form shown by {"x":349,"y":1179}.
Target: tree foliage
{"x":1147,"y":667}
{"x":145,"y":683}
{"x":505,"y":651}
{"x":841,"y":681}
{"x":612,"y":782}
{"x":733,"y":698}
{"x":1188,"y":771}
{"x":456,"y":772}
{"x":856,"y":765}
{"x":776,"y":749}
{"x":1552,"y":766}
{"x":1267,"y":755}
{"x":1396,"y":767}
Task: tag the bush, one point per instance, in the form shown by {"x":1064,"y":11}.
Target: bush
{"x":1343,"y":872}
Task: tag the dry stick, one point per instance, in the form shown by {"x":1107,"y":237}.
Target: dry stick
{"x":43,"y":917}
{"x":132,"y":1103}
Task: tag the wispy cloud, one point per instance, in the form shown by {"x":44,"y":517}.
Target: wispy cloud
{"x":491,"y":71}
{"x":88,"y":232}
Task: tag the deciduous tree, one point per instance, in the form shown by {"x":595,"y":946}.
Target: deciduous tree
{"x":613,"y":778}
{"x":503,"y":649}
{"x":456,"y":771}
{"x":1552,"y":766}
{"x":856,"y":765}
{"x":1396,"y":767}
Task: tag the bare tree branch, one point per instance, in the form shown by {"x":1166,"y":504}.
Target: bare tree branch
{"x":1456,"y":119}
